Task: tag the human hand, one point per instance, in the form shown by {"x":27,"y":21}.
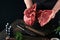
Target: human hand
{"x":29,"y":15}
{"x":53,"y":16}
{"x":45,"y":17}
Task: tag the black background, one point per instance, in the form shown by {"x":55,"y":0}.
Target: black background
{"x":10,"y":10}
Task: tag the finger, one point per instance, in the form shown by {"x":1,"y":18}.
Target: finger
{"x":53,"y":14}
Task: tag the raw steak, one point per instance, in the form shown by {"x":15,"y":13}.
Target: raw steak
{"x":45,"y":16}
{"x":29,"y":15}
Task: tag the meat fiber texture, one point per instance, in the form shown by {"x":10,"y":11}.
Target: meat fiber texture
{"x":29,"y":15}
{"x":43,"y":16}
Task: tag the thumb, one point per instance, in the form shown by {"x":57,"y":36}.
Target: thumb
{"x":53,"y":14}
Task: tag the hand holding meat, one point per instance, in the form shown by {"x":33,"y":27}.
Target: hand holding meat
{"x":29,"y":15}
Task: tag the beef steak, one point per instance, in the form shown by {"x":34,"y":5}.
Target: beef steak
{"x":45,"y":17}
{"x":29,"y":15}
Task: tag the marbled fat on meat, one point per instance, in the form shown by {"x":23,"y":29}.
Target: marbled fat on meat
{"x":29,"y":15}
{"x":45,"y":17}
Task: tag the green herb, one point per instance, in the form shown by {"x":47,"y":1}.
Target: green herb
{"x":57,"y":29}
{"x":18,"y":35}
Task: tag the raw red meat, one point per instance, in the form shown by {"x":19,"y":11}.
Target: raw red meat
{"x":29,"y":15}
{"x":45,"y":17}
